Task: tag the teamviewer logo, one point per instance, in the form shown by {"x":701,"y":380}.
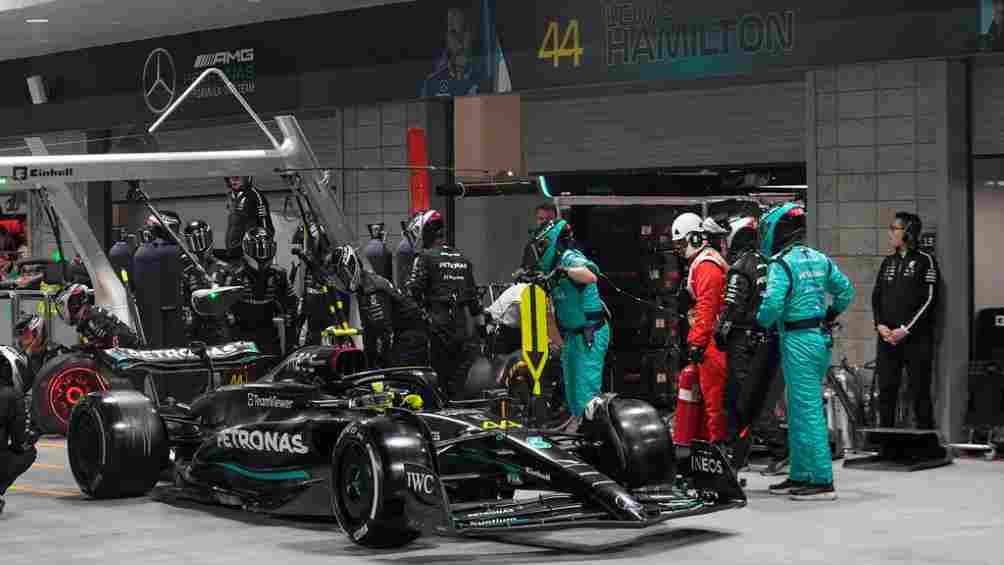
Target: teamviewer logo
{"x":20,"y":173}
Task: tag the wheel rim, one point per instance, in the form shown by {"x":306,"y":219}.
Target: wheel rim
{"x":357,"y":485}
{"x":86,"y":448}
{"x":69,"y":387}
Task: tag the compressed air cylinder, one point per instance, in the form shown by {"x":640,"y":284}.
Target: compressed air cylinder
{"x":379,"y":257}
{"x":403,"y":259}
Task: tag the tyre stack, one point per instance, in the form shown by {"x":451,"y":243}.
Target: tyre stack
{"x":663,"y":325}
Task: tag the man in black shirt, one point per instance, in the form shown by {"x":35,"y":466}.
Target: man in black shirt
{"x":213,"y":331}
{"x":903,"y":303}
{"x":442,"y":283}
{"x":753,"y":355}
{"x":248,"y":209}
{"x":267,"y":294}
{"x":394,"y":327}
{"x":17,"y":454}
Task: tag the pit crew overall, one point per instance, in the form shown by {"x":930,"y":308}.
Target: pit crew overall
{"x":706,"y":284}
{"x":584,"y":330}
{"x":797,"y":284}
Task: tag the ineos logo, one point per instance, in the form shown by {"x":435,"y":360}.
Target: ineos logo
{"x":159,"y":80}
{"x":706,"y":465}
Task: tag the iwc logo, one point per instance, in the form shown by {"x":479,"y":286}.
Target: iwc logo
{"x":159,"y":80}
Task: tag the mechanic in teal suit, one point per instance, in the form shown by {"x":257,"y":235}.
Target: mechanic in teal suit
{"x":580,"y":312}
{"x":795,"y":299}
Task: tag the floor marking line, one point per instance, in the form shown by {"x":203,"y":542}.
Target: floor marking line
{"x":49,"y":466}
{"x":50,"y":445}
{"x":60,"y":493}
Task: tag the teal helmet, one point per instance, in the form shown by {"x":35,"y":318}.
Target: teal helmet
{"x":781,"y":226}
{"x":547,"y":244}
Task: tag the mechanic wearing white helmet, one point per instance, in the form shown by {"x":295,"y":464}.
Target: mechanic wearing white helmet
{"x":705,"y":284}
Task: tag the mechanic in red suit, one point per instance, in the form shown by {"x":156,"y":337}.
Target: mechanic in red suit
{"x":705,"y":283}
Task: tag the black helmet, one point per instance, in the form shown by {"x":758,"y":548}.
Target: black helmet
{"x":789,"y":228}
{"x":347,"y":267}
{"x":313,"y":239}
{"x":72,"y":304}
{"x":259,"y":245}
{"x":743,"y":236}
{"x":199,"y":237}
{"x":428,"y":225}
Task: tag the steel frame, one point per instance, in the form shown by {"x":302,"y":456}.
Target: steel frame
{"x":56,"y":172}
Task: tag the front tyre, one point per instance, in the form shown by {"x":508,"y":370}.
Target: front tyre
{"x":634,"y":444}
{"x":117,"y":444}
{"x":371,"y":464}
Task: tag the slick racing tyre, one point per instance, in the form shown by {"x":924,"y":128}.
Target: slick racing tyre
{"x":61,"y":383}
{"x":635,"y":447}
{"x":377,"y":464}
{"x":117,"y":444}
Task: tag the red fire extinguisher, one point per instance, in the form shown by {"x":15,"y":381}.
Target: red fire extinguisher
{"x":688,"y":421}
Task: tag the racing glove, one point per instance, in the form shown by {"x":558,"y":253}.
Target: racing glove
{"x":722,"y":330}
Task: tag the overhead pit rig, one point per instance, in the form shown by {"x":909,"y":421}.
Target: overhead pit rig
{"x":54,"y":173}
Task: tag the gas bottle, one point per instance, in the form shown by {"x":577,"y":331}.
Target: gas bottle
{"x":688,"y":420}
{"x":121,"y":258}
{"x":403,"y":259}
{"x":377,"y":253}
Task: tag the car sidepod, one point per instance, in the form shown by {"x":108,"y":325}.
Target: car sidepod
{"x":271,"y":466}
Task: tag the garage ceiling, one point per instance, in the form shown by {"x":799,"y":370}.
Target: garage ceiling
{"x":78,"y":24}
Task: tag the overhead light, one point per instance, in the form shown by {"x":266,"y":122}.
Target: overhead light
{"x":36,"y":21}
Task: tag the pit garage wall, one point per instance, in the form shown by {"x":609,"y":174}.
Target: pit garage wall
{"x":882,"y":138}
{"x":738,"y":124}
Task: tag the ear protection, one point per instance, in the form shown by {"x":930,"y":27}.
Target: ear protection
{"x":696,"y":239}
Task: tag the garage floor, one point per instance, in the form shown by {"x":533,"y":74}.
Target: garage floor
{"x":952,"y":515}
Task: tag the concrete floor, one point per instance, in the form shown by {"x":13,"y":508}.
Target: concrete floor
{"x":952,"y":515}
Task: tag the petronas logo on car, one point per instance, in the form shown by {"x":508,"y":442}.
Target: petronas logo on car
{"x":257,"y":440}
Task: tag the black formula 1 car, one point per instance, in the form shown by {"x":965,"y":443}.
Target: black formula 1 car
{"x":390,"y":458}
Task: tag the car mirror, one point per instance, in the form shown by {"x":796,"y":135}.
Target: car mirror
{"x":217,"y":301}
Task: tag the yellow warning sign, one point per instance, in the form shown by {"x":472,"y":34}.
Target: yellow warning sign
{"x":533,"y":323}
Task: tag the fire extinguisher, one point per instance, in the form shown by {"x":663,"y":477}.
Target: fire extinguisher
{"x":688,"y":421}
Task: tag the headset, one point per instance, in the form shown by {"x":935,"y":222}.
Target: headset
{"x":696,"y":239}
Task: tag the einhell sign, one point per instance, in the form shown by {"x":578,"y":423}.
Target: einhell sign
{"x":22,"y":174}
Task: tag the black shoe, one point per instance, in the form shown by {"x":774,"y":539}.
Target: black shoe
{"x":814,"y":492}
{"x":787,"y":487}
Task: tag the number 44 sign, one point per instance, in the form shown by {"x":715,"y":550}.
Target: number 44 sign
{"x":570,"y":46}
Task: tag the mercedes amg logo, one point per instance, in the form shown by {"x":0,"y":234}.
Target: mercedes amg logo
{"x":159,"y":80}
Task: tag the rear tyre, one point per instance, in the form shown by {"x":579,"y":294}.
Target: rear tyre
{"x":117,"y":444}
{"x":369,"y":479}
{"x":60,"y":385}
